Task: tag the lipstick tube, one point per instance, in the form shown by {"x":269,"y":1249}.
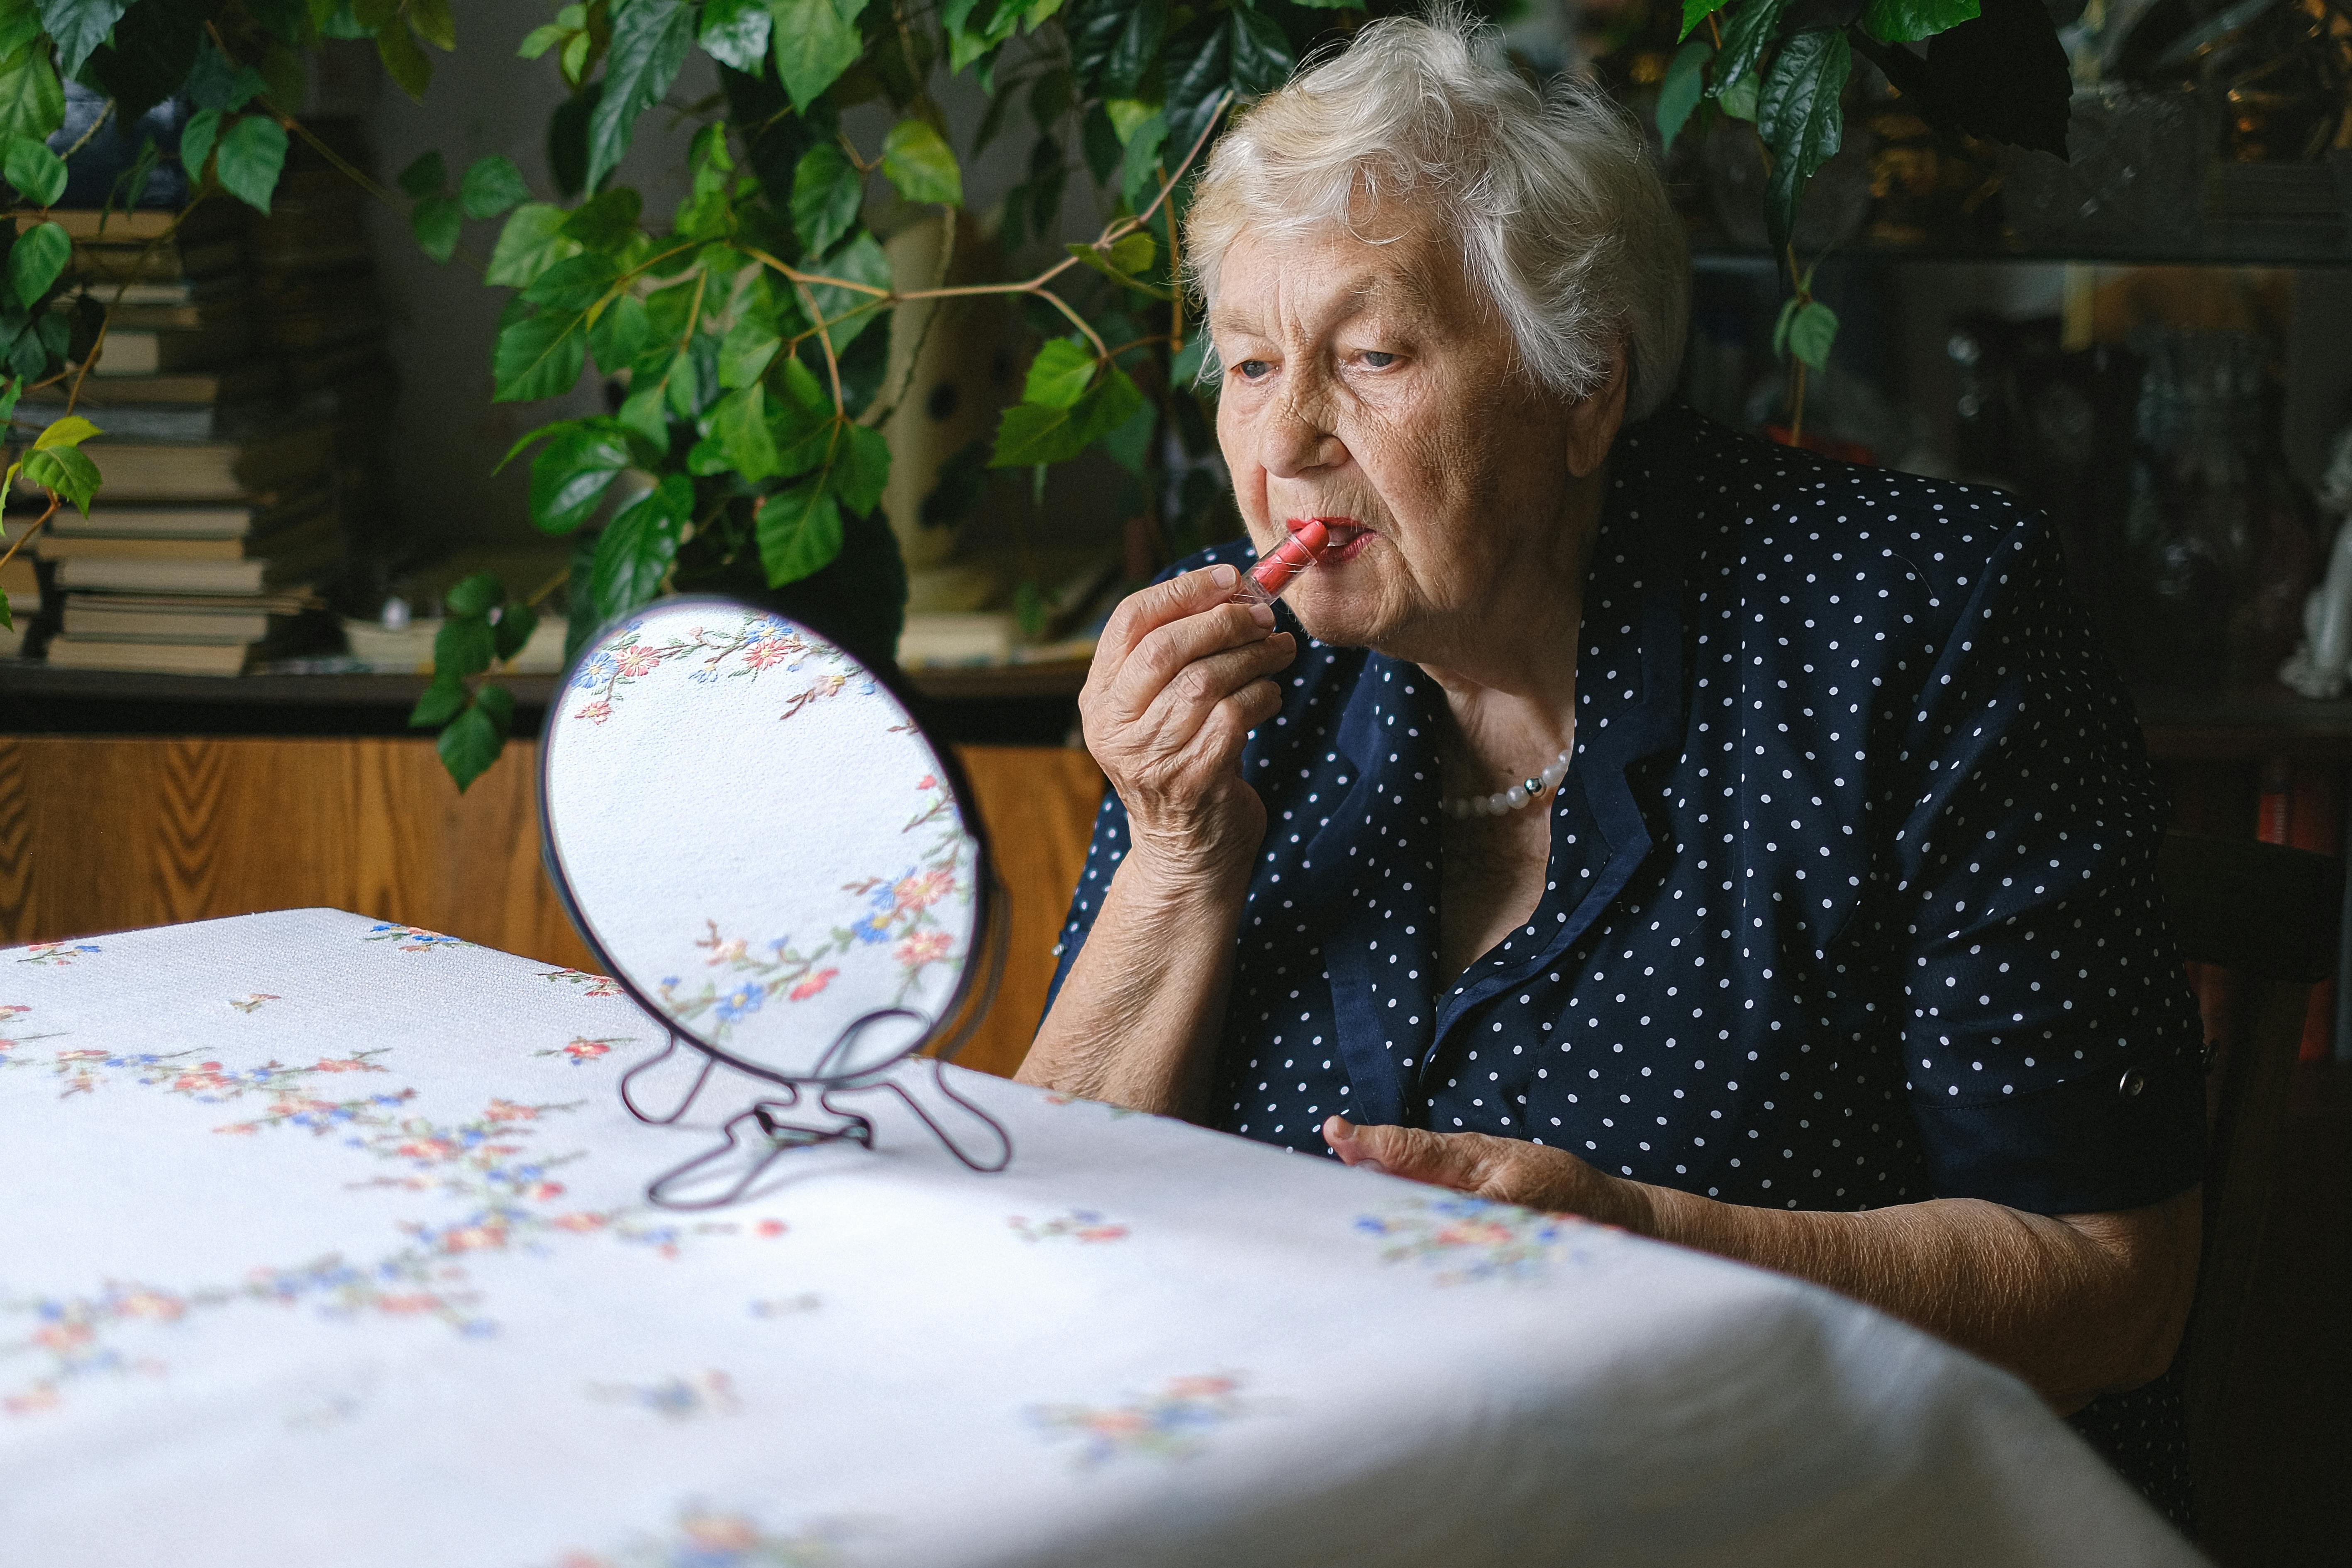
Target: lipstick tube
{"x":1264,"y":582}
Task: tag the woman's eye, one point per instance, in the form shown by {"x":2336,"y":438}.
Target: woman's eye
{"x":1377,"y":360}
{"x":1251,"y":369}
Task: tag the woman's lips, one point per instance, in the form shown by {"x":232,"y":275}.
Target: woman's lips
{"x":1348,"y":537}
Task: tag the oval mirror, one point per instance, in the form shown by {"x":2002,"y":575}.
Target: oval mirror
{"x":758,"y":841}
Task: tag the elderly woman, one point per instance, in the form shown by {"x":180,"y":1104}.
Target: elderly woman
{"x":1627,"y":817}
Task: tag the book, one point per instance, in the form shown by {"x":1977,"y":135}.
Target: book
{"x":242,"y":621}
{"x":231,"y":383}
{"x":97,"y":226}
{"x":306,"y":537}
{"x":408,"y":649}
{"x":137,"y":575}
{"x":135,"y":352}
{"x":196,"y":422}
{"x":160,"y":263}
{"x":152,"y":658}
{"x":186,"y":521}
{"x":263,"y":468}
{"x":21,"y":586}
{"x":223,"y":285}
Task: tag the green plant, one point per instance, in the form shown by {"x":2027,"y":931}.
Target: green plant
{"x":1990,"y":68}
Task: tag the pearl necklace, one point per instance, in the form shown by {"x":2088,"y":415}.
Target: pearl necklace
{"x":1509,"y":800}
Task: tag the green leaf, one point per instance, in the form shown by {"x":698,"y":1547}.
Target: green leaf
{"x":799,"y":531}
{"x":1797,"y":114}
{"x":515,"y":623}
{"x":251,"y":154}
{"x":1114,"y":42}
{"x":70,"y":431}
{"x":917,"y":160}
{"x":1908,"y":21}
{"x":477,"y":593}
{"x":1684,"y":86}
{"x":638,"y":546}
{"x":463,"y":645}
{"x":20,"y":24}
{"x":1130,"y":444}
{"x":1811,"y":333}
{"x":1030,"y":433}
{"x":570,"y":474}
{"x":1738,"y":100}
{"x":406,"y":64}
{"x":469,"y":745}
{"x":813,"y":46}
{"x":862,"y":469}
{"x":66,"y":470}
{"x":827,"y":192}
{"x":428,"y":173}
{"x":39,"y":174}
{"x":1196,"y":80}
{"x":32,"y":99}
{"x":433,"y":22}
{"x":1781,"y":326}
{"x":538,"y":356}
{"x":607,"y":221}
{"x":620,"y":334}
{"x":574,"y":285}
{"x":196,"y":139}
{"x":1139,"y":171}
{"x":1261,"y":52}
{"x":745,"y":353}
{"x":80,"y":27}
{"x":740,"y":424}
{"x":532,"y":242}
{"x":1184,"y":370}
{"x":735,"y":33}
{"x":35,"y":261}
{"x":1697,"y":11}
{"x":1132,"y":254}
{"x":650,"y":40}
{"x":541,"y":39}
{"x":435,"y":221}
{"x":1060,"y":374}
{"x":492,"y":185}
{"x":1744,"y":43}
{"x":442,"y":701}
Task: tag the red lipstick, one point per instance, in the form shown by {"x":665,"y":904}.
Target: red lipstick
{"x":1275,"y":571}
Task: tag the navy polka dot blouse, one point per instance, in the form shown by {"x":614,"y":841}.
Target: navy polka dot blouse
{"x":1852,"y":898}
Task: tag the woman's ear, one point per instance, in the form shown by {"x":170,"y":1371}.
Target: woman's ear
{"x":1594,"y":419}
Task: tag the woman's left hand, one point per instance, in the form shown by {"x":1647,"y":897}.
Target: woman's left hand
{"x":1506,"y":1170}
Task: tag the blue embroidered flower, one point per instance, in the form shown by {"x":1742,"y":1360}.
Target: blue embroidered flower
{"x":741,"y":1004}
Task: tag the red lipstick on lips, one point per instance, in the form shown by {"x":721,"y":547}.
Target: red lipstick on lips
{"x":1275,"y":571}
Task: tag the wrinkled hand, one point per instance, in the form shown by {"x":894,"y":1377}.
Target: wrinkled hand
{"x":1180,"y":678}
{"x":1505,"y":1170}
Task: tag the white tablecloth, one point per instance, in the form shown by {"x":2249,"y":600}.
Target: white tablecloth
{"x":325,"y":1243}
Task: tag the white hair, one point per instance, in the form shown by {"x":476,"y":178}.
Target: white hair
{"x":1562,"y":221}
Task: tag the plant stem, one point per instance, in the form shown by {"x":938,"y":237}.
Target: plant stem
{"x":55,"y":500}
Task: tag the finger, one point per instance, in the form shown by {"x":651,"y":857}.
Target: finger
{"x":1194,"y":692}
{"x":1147,"y":609}
{"x":1441,"y":1159}
{"x":1165,"y":651}
{"x":1227,"y":728}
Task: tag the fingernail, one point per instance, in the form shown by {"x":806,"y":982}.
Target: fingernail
{"x":1263,"y":616}
{"x":1224,"y":577}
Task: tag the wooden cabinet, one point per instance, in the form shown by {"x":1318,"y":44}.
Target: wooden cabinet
{"x":108,"y":834}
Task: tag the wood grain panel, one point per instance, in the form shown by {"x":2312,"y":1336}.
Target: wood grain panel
{"x":99,"y":835}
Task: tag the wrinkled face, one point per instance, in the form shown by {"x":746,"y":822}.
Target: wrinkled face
{"x":1370,"y":386}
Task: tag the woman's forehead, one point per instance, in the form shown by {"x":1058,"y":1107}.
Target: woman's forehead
{"x":1316,"y":280}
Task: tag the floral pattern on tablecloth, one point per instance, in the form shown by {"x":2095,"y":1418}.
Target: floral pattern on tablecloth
{"x":692,"y":1397}
{"x":754,"y":645}
{"x":580,"y":1050}
{"x":1463,"y":1239}
{"x":412,"y":938}
{"x":55,"y":955}
{"x":708,"y":1537}
{"x":902,"y":921}
{"x":589,"y":985}
{"x":1172,"y":1423}
{"x":1078,"y":1225}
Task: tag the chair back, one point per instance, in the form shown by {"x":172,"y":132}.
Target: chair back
{"x":2271,"y":916}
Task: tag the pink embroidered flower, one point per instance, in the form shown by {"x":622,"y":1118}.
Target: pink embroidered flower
{"x":727,"y":951}
{"x":586,"y":1050}
{"x":596,"y":711}
{"x":929,"y":781}
{"x":579,"y":1224}
{"x":769,"y":1227}
{"x":63,"y":1337}
{"x":508,"y":1111}
{"x":1101,"y":1233}
{"x":475,"y":1238}
{"x":411,"y":1301}
{"x":631,"y":662}
{"x":344,"y":1064}
{"x":923,"y":890}
{"x":811,"y":985}
{"x":152,"y":1306}
{"x":720,"y":1532}
{"x":1201,"y":1387}
{"x":770,"y":650}
{"x":546,"y":1190}
{"x":924,"y":947}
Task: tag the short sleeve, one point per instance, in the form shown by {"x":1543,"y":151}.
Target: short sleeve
{"x":1103,"y":853}
{"x":2055,"y":1053}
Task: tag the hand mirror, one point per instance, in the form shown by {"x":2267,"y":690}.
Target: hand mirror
{"x":758,"y":841}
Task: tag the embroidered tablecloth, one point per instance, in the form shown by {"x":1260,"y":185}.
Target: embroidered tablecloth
{"x":326,"y":1243}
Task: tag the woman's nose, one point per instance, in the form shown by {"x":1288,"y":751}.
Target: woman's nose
{"x":1298,"y":439}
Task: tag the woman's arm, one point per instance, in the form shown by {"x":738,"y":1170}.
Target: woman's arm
{"x":2078,"y":1305}
{"x":1180,"y":678}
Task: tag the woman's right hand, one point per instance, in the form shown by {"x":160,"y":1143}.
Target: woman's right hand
{"x":1180,"y":678}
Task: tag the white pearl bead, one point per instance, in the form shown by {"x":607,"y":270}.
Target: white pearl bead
{"x":1515,"y":797}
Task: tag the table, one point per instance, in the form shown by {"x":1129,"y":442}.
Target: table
{"x":326,"y":1242}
